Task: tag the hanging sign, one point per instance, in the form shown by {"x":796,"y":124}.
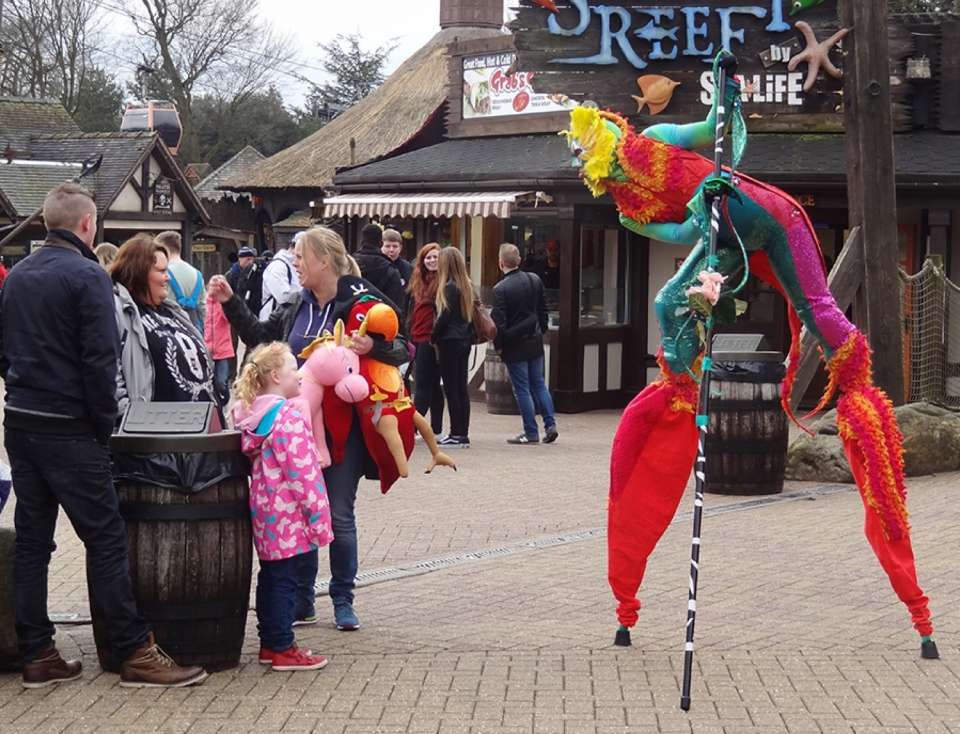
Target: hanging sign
{"x":652,"y":60}
{"x":492,"y":88}
{"x":163,"y":195}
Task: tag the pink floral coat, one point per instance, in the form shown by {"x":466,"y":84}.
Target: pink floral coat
{"x":289,"y":510}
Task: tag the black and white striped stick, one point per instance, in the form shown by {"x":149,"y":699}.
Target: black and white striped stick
{"x":727,"y":64}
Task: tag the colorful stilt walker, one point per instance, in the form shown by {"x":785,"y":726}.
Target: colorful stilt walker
{"x":660,"y":187}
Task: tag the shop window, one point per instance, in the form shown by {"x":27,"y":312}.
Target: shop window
{"x":539,"y":245}
{"x":604,"y":277}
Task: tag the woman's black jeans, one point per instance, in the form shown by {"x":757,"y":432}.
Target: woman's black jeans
{"x":428,"y":395}
{"x":454,"y":359}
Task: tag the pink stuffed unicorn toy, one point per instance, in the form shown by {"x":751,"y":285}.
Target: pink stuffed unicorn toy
{"x":330,"y":363}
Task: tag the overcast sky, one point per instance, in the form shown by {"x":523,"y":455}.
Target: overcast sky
{"x":410,"y":22}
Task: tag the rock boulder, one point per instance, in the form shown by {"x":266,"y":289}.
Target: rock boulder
{"x":931,"y":444}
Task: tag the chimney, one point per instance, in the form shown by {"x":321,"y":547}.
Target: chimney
{"x":471,"y":13}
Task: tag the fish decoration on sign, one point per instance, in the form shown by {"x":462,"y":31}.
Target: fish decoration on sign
{"x":798,"y":6}
{"x":656,"y":92}
{"x":552,"y":6}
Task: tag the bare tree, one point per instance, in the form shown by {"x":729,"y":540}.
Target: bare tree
{"x":214,"y":46}
{"x":48,"y":48}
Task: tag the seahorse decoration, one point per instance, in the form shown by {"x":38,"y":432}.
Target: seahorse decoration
{"x":656,"y":180}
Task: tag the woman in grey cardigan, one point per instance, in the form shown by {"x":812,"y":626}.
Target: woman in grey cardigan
{"x":163,"y":356}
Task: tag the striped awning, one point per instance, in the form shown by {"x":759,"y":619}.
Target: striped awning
{"x":486,"y":204}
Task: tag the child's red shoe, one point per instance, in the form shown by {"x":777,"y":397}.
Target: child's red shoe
{"x":297,"y":659}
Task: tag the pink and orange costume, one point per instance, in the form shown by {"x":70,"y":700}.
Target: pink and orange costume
{"x":655,"y":179}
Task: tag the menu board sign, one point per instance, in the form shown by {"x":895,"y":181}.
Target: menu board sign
{"x":493,"y":88}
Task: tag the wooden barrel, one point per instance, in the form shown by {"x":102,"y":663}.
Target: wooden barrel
{"x":9,"y":647}
{"x":746,"y":445}
{"x":191,"y":552}
{"x":497,"y":385}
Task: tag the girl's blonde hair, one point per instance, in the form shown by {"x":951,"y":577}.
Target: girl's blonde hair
{"x":453,"y":267}
{"x":253,"y":377}
{"x":325,"y":242}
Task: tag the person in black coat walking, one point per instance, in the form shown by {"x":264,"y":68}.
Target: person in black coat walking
{"x":377,"y":268}
{"x":520,"y":313}
{"x":453,"y":336}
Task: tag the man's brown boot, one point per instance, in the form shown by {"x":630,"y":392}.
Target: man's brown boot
{"x":50,"y":668}
{"x":151,"y":667}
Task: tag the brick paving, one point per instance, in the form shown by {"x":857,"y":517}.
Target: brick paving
{"x":798,"y":630}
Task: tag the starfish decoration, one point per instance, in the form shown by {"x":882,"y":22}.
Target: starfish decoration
{"x":816,"y":54}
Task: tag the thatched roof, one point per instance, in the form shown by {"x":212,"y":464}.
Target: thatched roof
{"x":380,"y":123}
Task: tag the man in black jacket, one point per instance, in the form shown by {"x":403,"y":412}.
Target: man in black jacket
{"x":520,"y":313}
{"x":59,"y":346}
{"x":377,"y":267}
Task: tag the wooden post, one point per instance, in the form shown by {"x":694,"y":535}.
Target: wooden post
{"x":871,"y":186}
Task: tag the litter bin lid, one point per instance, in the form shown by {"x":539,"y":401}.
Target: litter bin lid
{"x":146,"y":443}
{"x":747,"y":356}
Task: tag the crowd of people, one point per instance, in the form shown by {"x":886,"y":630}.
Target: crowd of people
{"x":85,"y":331}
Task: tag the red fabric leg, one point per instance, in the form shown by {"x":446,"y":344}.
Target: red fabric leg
{"x":895,"y":556}
{"x":644,"y":500}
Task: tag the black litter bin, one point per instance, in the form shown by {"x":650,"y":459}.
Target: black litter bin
{"x":185,"y":499}
{"x":746,"y":444}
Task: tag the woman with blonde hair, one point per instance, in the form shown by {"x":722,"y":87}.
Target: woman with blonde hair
{"x":453,"y":336}
{"x":329,"y":290}
{"x":106,"y":253}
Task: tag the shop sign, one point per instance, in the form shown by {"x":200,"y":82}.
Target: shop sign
{"x":493,"y":88}
{"x":163,"y":195}
{"x":34,"y":245}
{"x":653,"y":59}
{"x":203,"y":247}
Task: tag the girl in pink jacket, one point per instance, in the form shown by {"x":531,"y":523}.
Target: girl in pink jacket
{"x":219,"y":340}
{"x":288,"y":498}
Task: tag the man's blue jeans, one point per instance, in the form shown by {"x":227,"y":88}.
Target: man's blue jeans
{"x":278,"y":592}
{"x":342,"y":480}
{"x":532,"y":395}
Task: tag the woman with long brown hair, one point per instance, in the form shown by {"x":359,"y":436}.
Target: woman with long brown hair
{"x":428,"y":395}
{"x":453,"y":336}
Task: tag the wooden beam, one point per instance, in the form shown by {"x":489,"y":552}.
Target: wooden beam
{"x":845,"y":282}
{"x":871,"y":188}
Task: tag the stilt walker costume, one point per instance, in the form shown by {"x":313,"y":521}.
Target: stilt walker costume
{"x":657,"y":181}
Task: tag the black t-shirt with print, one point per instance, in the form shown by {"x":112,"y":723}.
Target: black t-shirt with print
{"x":181,"y":370}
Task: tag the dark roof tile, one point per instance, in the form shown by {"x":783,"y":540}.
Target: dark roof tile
{"x":920,"y":156}
{"x":121,"y":153}
{"x":26,"y":183}
{"x":21,"y":119}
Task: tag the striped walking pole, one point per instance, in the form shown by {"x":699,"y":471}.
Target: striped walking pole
{"x":727,"y":65}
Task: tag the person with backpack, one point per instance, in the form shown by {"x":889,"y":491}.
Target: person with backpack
{"x":186,"y":282}
{"x":280,"y":281}
{"x":520,"y":313}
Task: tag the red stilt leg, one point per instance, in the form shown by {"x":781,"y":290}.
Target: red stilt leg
{"x":652,"y":457}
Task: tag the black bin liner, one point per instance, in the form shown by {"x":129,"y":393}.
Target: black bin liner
{"x":748,"y":366}
{"x":187,"y":464}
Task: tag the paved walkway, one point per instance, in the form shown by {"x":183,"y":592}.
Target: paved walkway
{"x":798,"y":630}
